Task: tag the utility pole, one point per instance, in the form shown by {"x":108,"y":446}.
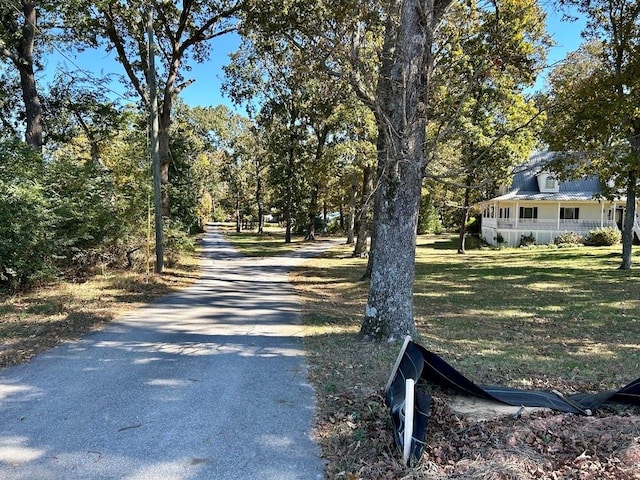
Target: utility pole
{"x":155,"y":149}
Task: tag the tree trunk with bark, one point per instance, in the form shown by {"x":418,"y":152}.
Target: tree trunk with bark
{"x":238,"y":219}
{"x":23,"y":61}
{"x":629,"y":220}
{"x":407,"y":62}
{"x":362,"y":223}
{"x":351,"y":222}
{"x":465,"y":216}
{"x":310,"y":235}
{"x":260,"y":203}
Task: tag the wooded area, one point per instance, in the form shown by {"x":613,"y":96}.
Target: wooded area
{"x":378,"y":119}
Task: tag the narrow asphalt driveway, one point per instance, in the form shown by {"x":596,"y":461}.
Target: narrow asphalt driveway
{"x":208,"y":383}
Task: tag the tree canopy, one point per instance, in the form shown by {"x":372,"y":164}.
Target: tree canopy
{"x":593,"y":104}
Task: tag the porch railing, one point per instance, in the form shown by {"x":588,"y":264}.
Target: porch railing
{"x":546,"y":224}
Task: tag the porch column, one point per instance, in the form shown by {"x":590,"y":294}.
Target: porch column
{"x":601,"y":213}
{"x":558,"y":217}
{"x":517,"y":214}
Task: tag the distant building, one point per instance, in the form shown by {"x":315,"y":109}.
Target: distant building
{"x":538,"y":204}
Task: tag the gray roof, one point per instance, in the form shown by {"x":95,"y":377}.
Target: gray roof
{"x":525,"y":185}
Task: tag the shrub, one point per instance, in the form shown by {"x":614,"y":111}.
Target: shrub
{"x":428,"y":218}
{"x":473,"y":242}
{"x":569,"y":238}
{"x":176,"y":241}
{"x":603,"y":237}
{"x":527,"y":240}
{"x":25,"y":247}
{"x":88,"y":226}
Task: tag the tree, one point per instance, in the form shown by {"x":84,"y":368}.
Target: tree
{"x":25,"y":250}
{"x":480,"y":123}
{"x":183,"y":33}
{"x":593,"y":103}
{"x":407,"y":63}
{"x":354,"y":147}
{"x":17,"y":44}
{"x":76,"y":106}
{"x":294,"y":105}
{"x":205,"y":148}
{"x":384,"y":50}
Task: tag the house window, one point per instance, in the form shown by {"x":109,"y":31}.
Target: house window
{"x":528,"y":212}
{"x":550,"y":183}
{"x":569,"y":213}
{"x":504,"y":212}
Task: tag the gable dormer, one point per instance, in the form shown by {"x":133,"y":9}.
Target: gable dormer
{"x":547,"y":183}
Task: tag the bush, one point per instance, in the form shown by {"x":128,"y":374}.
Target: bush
{"x":527,"y":240}
{"x":25,"y":249}
{"x":176,"y":241}
{"x":603,"y":237}
{"x":569,"y":238}
{"x":474,"y":242}
{"x":428,"y":218}
{"x":88,"y":226}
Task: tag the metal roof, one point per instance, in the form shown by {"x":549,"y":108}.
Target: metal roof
{"x":525,"y":184}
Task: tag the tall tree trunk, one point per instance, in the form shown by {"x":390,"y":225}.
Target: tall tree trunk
{"x":629,"y":219}
{"x":362,"y":223}
{"x":465,"y":216}
{"x":325,"y":219}
{"x":287,"y":232}
{"x":24,"y":63}
{"x":260,"y":203}
{"x":351,"y":222}
{"x":238,"y":219}
{"x":401,"y":119}
{"x":313,"y":213}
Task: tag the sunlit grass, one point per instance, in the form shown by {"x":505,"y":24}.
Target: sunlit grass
{"x":267,"y":244}
{"x":516,"y":316}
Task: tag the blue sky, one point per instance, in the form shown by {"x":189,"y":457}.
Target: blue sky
{"x":206,"y":90}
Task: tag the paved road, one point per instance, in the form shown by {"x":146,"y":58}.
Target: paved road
{"x":208,"y":383}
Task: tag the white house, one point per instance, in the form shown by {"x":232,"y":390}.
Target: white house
{"x":537,"y":204}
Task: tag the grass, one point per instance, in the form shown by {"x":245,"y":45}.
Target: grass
{"x":512,"y":315}
{"x":267,"y":244}
{"x":34,"y":321}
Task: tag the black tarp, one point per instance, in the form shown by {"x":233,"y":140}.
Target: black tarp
{"x":418,"y":363}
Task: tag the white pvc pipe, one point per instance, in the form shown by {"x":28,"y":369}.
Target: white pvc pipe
{"x":408,"y":419}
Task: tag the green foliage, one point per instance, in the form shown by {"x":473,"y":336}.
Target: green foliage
{"x":176,"y":241}
{"x":569,"y":238}
{"x":481,"y":124}
{"x":428,"y":218}
{"x":25,"y":211}
{"x":83,"y":219}
{"x":603,"y":237}
{"x":593,"y":103}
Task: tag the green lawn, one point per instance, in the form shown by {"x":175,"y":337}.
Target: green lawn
{"x":267,"y":244}
{"x":525,"y":317}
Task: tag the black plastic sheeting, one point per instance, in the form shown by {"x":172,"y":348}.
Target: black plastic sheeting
{"x":419,"y":363}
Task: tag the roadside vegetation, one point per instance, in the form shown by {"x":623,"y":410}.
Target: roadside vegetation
{"x":535,"y":318}
{"x":35,"y":320}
